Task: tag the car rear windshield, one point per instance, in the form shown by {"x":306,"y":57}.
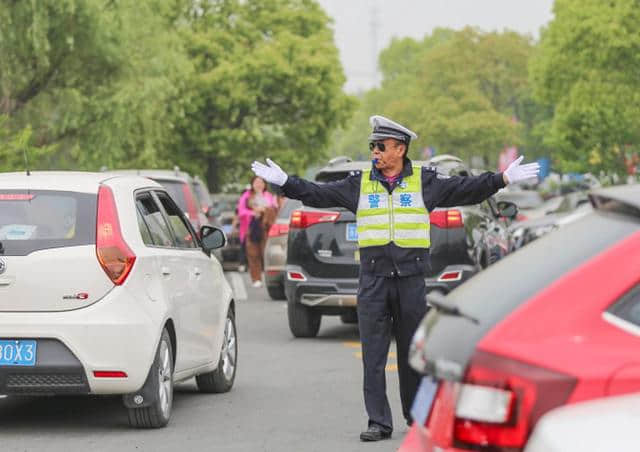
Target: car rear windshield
{"x":289,"y":206}
{"x":511,"y":281}
{"x":32,"y":220}
{"x":176,"y":191}
{"x":202,"y":194}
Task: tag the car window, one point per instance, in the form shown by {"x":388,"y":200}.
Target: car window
{"x":628,"y":307}
{"x":144,"y":229}
{"x":32,"y":220}
{"x":160,"y":233}
{"x":489,"y":207}
{"x":181,"y":232}
{"x":289,"y":206}
{"x":202,"y":194}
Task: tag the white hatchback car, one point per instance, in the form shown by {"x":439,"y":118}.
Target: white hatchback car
{"x":105,"y":288}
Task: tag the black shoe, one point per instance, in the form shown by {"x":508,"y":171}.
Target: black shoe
{"x":375,"y":432}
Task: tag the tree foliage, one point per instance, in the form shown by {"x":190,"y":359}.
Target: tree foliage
{"x":205,"y":85}
{"x":464,"y":92}
{"x":93,"y":82}
{"x":587,"y":69}
{"x":267,"y":82}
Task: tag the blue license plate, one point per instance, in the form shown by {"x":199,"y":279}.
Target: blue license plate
{"x":424,"y":399}
{"x":17,"y":353}
{"x":352,"y":232}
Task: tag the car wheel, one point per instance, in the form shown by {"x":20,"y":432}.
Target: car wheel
{"x":158,"y":412}
{"x":349,"y":317}
{"x":221,"y":379}
{"x":276,"y":292}
{"x":303,"y":321}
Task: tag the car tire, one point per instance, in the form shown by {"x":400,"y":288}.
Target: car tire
{"x":349,"y":317}
{"x":276,"y":292}
{"x":222,"y":377}
{"x":303,"y":321}
{"x":158,"y":413}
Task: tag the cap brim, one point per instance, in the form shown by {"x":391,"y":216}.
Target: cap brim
{"x":385,"y":135}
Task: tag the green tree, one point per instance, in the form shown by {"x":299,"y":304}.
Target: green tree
{"x":267,"y":83}
{"x":89,"y":82}
{"x":465,"y":92}
{"x":586,"y":71}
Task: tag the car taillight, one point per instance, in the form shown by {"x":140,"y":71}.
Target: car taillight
{"x":192,"y":210}
{"x":114,"y":255}
{"x":446,"y":219}
{"x":278,"y":229}
{"x":304,"y":218}
{"x":296,"y":276}
{"x":450,"y":276}
{"x":501,"y":399}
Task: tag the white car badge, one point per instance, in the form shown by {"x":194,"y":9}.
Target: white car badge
{"x":3,"y":266}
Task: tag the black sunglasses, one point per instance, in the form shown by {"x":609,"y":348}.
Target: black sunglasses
{"x":377,"y":144}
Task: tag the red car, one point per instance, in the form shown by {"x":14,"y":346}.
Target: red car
{"x":555,"y":323}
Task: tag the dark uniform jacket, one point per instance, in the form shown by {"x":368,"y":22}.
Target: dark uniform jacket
{"x":437,"y":191}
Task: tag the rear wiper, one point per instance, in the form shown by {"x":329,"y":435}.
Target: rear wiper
{"x":437,"y":300}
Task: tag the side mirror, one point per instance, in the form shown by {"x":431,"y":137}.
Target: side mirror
{"x":212,"y":238}
{"x":507,"y":209}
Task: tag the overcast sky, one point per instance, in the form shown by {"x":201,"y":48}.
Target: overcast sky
{"x":355,"y":20}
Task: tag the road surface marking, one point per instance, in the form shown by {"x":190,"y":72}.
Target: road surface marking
{"x":352,"y":344}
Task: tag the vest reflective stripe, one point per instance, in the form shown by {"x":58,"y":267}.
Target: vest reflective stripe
{"x":400,"y":217}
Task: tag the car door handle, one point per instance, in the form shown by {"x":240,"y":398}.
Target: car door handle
{"x":197,"y":272}
{"x":165,"y":271}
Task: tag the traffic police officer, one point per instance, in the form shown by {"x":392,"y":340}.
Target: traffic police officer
{"x":392,"y":201}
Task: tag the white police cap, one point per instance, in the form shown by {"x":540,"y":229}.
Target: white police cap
{"x":386,"y":128}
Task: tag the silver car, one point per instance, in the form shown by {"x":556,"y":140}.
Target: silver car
{"x":275,"y":254}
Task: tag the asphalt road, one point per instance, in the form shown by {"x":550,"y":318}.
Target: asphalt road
{"x":290,"y":395}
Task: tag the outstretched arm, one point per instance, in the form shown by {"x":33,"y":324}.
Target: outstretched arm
{"x":342,"y":193}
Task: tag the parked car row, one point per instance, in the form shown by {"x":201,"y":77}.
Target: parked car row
{"x":135,"y":301}
{"x":556,"y":323}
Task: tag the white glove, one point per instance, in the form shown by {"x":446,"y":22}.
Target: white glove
{"x":517,"y":173}
{"x":271,"y":173}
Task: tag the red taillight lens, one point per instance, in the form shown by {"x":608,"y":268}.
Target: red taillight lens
{"x":192,"y":210}
{"x":502,"y":399}
{"x":278,"y":229}
{"x":446,"y":219}
{"x":115,"y":257}
{"x":304,"y":218}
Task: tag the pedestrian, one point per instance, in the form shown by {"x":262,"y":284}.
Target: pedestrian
{"x":256,"y":212}
{"x":392,"y":201}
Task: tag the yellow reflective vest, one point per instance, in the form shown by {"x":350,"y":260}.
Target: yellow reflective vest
{"x":399,"y":217}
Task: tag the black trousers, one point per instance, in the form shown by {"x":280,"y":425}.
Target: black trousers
{"x":388,"y":306}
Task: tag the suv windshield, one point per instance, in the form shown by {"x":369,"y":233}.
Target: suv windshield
{"x":32,"y":220}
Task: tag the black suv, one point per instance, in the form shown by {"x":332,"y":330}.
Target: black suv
{"x":323,"y":258}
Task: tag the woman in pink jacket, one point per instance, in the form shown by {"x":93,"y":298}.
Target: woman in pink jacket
{"x":256,"y":210}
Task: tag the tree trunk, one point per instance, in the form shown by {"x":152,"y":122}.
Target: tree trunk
{"x":213,"y":178}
